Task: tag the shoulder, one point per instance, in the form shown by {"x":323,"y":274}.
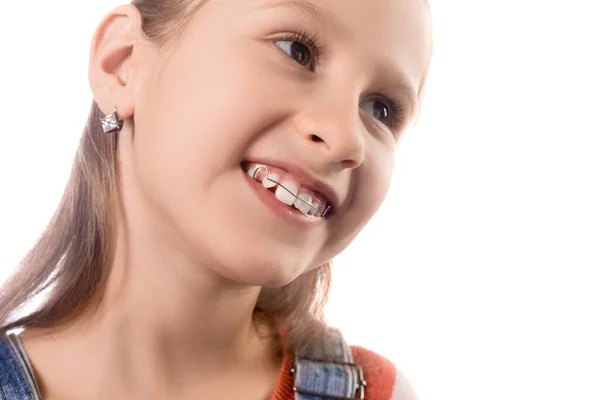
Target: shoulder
{"x":384,"y":380}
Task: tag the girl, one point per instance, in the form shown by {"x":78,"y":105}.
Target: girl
{"x":233,"y":149}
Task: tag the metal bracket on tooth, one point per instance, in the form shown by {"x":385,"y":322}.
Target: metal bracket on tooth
{"x":266,"y":169}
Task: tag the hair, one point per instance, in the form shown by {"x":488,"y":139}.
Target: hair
{"x":68,"y":266}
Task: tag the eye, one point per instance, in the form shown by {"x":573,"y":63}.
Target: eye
{"x":297,"y":51}
{"x":300,"y":47}
{"x":388,"y":111}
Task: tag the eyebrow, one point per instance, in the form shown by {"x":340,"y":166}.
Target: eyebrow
{"x":306,"y":9}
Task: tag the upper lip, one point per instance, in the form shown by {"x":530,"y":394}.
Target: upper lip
{"x":304,"y":179}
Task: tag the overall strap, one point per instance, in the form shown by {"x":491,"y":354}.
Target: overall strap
{"x":16,"y":379}
{"x":325,"y":370}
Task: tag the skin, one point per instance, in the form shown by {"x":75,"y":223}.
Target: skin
{"x":195,"y":244}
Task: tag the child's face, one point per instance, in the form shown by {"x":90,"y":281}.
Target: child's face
{"x":230,"y":93}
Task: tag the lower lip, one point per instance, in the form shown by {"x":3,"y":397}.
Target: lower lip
{"x":288,"y":213}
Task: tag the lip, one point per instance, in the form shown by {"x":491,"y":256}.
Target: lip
{"x":304,"y":179}
{"x":289,"y":214}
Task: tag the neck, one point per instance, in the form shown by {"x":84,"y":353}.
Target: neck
{"x":164,"y":323}
{"x":175,"y":310}
{"x":176,"y":306}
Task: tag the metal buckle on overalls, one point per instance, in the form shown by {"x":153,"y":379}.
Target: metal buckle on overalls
{"x":360,"y":390}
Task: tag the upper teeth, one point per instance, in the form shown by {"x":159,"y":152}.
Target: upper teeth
{"x":271,"y":182}
{"x":287,"y":196}
{"x":287,"y":191}
{"x":301,"y":203}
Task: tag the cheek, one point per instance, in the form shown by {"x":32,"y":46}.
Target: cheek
{"x":373,"y":179}
{"x":370,"y":187}
{"x":207,"y":106}
{"x":198,"y":116}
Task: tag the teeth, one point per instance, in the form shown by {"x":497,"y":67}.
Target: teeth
{"x":252,"y":171}
{"x":267,"y":183}
{"x":301,"y":205}
{"x":284,"y":196}
{"x":316,"y":204}
{"x":293,"y":199}
{"x":256,"y":171}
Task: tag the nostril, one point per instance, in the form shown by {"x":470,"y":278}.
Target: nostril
{"x":316,"y":139}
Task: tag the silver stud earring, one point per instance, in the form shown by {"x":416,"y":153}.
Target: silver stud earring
{"x":110,"y":123}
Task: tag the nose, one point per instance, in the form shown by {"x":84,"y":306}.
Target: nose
{"x":333,"y":129}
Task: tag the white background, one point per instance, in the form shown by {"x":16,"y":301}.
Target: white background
{"x":479,"y":275}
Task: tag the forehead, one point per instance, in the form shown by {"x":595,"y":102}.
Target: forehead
{"x":392,"y":33}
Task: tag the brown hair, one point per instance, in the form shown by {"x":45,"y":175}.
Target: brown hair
{"x":69,"y":263}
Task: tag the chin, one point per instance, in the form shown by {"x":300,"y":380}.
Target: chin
{"x":263,"y":273}
{"x":241,"y":248}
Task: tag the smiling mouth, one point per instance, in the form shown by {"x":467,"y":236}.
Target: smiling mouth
{"x":289,"y":192}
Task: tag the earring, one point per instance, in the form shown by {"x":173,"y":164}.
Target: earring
{"x":110,"y":123}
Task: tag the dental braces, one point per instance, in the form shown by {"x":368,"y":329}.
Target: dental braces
{"x":266,"y":169}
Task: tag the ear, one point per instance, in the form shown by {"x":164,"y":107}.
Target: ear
{"x":116,"y":48}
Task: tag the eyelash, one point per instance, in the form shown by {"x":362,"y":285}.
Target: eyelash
{"x":397,"y":109}
{"x":312,"y":41}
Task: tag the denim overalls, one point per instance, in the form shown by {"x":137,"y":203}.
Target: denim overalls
{"x":324,"y":371}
